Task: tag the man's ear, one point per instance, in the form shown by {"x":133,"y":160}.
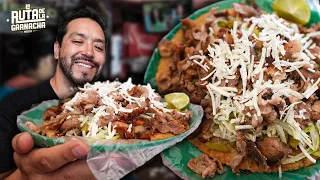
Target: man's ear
{"x":56,"y":50}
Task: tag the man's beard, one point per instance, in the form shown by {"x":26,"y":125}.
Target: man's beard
{"x":66,"y":67}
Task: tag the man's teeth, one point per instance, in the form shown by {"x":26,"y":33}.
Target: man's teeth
{"x":84,"y":65}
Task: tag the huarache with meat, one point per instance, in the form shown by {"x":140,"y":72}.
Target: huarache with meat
{"x":257,"y":77}
{"x":112,"y":110}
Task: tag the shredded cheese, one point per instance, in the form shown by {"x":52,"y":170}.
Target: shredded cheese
{"x":236,"y":62}
{"x":110,"y":93}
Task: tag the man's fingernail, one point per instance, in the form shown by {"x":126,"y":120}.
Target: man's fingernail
{"x":79,"y":151}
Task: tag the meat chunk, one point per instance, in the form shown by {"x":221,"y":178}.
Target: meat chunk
{"x":174,"y":127}
{"x":32,"y":127}
{"x":293,"y":46}
{"x":308,"y":74}
{"x":205,"y":166}
{"x":69,"y":124}
{"x":245,"y":10}
{"x":165,"y":123}
{"x":278,"y":102}
{"x":263,"y":102}
{"x":273,"y":149}
{"x":258,"y":156}
{"x":242,"y":147}
{"x":121,"y":128}
{"x":315,"y":113}
{"x":55,"y":122}
{"x":242,"y":143}
{"x":276,"y":74}
{"x":104,"y":120}
{"x":166,"y":48}
{"x":271,"y":117}
{"x":51,"y":111}
{"x":206,"y":124}
{"x":200,"y":35}
{"x":141,"y":132}
{"x":86,"y":105}
{"x":316,"y":52}
{"x":138,"y":91}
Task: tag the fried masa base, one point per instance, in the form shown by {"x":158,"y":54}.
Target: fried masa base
{"x":248,"y":162}
{"x":160,"y":136}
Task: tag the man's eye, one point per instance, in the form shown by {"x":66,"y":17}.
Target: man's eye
{"x":99,"y":48}
{"x":77,"y":42}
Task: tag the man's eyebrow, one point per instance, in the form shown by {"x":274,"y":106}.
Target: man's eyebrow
{"x":99,"y":40}
{"x":84,"y":36}
{"x":78,"y":34}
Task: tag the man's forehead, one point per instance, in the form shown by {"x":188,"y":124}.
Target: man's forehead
{"x":85,"y":26}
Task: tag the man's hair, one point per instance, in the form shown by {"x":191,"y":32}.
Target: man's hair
{"x":87,"y":12}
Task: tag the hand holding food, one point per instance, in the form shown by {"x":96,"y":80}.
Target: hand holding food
{"x":124,"y":124}
{"x":58,"y":162}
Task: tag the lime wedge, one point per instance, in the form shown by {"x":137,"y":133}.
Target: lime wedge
{"x":297,"y":11}
{"x":178,"y":100}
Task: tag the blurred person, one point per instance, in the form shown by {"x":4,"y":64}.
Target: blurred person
{"x":36,"y":62}
{"x":80,"y":53}
{"x":155,"y":20}
{"x":178,"y":13}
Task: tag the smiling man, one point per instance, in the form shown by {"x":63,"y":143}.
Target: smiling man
{"x":78,"y":65}
{"x":80,"y":52}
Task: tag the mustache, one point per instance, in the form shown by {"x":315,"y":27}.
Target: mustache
{"x":84,"y":58}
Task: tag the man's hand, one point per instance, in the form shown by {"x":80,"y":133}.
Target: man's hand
{"x":58,"y":162}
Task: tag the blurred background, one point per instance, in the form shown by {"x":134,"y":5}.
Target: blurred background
{"x":134,"y":26}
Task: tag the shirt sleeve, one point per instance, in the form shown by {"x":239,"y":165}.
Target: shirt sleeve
{"x":7,"y":132}
{"x":10,"y":107}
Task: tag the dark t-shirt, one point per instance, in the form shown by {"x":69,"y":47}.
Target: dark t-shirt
{"x":10,"y":108}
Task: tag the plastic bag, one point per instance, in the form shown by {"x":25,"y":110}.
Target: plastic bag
{"x":110,"y":159}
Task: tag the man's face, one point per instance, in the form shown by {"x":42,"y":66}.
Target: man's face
{"x":82,"y":53}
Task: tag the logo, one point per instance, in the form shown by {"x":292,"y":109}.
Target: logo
{"x":28,"y":20}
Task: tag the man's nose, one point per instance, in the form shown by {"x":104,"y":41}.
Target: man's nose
{"x":88,"y":50}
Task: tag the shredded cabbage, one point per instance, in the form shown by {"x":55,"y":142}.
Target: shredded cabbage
{"x":314,"y":136}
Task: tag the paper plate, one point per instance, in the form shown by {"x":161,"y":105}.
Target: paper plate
{"x":177,"y":157}
{"x":35,"y":115}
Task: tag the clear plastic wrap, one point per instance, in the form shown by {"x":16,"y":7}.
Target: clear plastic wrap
{"x":109,"y":159}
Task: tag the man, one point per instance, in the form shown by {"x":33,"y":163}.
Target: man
{"x":80,"y":51}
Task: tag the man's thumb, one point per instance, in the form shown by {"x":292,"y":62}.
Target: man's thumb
{"x":22,"y":143}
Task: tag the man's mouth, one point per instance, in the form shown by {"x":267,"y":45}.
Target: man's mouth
{"x":85,"y":64}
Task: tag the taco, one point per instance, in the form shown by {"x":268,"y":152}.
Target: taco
{"x":113,"y":110}
{"x":257,"y":77}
